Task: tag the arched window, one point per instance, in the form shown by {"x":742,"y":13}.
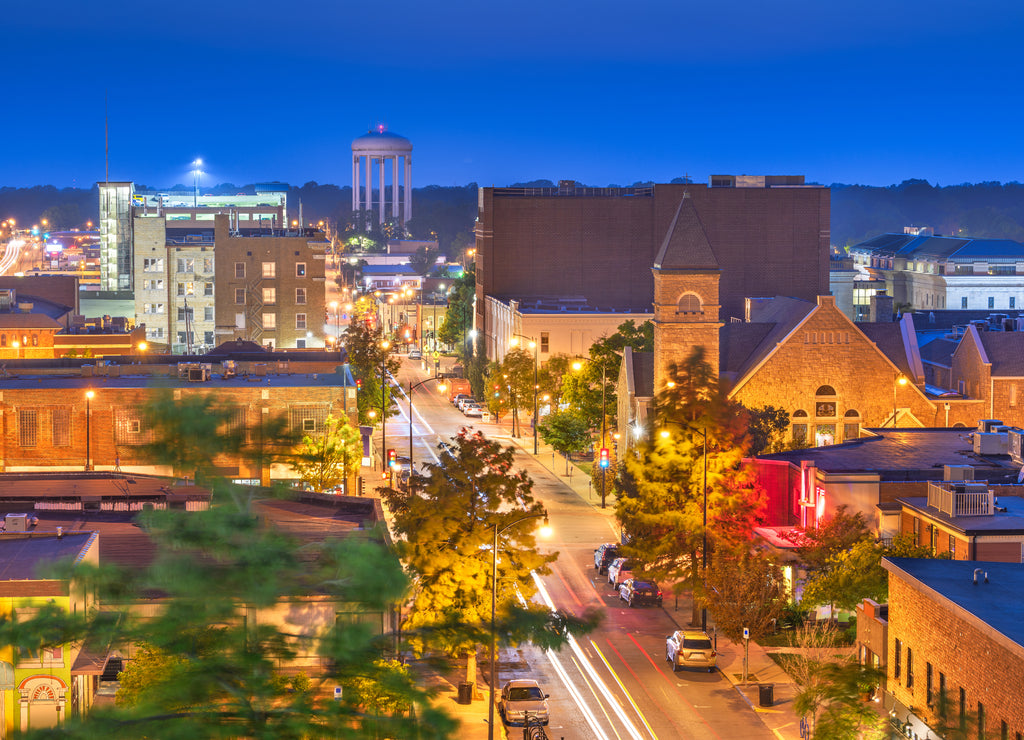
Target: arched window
{"x":689,"y":303}
{"x":825,"y":401}
{"x":852,"y":413}
{"x":851,"y":427}
{"x":3,"y":340}
{"x":800,"y":414}
{"x":800,"y":426}
{"x":825,"y":390}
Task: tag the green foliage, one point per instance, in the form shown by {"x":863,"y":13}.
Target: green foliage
{"x":744,"y":589}
{"x":767,"y":428}
{"x":448,"y":519}
{"x":566,"y":431}
{"x":145,"y":675}
{"x":550,"y":377}
{"x":423,"y":261}
{"x":458,"y":319}
{"x":326,"y":460}
{"x":662,"y":504}
{"x":368,"y":356}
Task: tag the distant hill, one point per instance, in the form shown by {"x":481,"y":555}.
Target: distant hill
{"x":859,"y":212}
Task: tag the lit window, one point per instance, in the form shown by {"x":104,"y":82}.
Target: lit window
{"x":269,"y":269}
{"x":300,"y":269}
{"x":270,"y":295}
{"x":269,"y":320}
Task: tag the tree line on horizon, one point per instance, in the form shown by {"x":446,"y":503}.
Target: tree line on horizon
{"x":989,"y":210}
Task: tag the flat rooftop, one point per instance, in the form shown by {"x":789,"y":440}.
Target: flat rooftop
{"x":896,"y":453}
{"x":26,"y":556}
{"x":994,"y":606}
{"x":1010,"y":521}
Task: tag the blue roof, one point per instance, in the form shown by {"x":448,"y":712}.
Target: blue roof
{"x":964,"y":249}
{"x":389,"y":270}
{"x":996,"y":603}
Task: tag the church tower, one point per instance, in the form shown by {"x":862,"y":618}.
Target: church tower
{"x":686,"y":302}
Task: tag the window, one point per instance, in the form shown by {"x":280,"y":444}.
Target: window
{"x":963,"y":302}
{"x":943,"y":699}
{"x":928,"y":683}
{"x":952,"y":547}
{"x":240,"y":296}
{"x":898,"y":654}
{"x":308,"y":418}
{"x":154,"y":332}
{"x":186,"y":288}
{"x":300,"y":269}
{"x":153,"y":265}
{"x":269,"y":320}
{"x":981,"y":721}
{"x":270,"y":295}
{"x":689,"y":303}
{"x":545,"y":342}
{"x":207,"y":313}
{"x":991,"y":302}
{"x":270,"y":269}
{"x":1013,"y":302}
{"x":964,"y":269}
{"x":128,"y":427}
{"x":1002,"y":269}
{"x":182,"y":337}
{"x":1004,"y":731}
{"x":186,"y":264}
{"x":35,"y":340}
{"x":208,"y":337}
{"x":28,"y":427}
{"x":851,"y":431}
{"x":207,"y":265}
{"x":152,"y":308}
{"x":963,"y":708}
{"x":184,"y":314}
{"x":239,"y":270}
{"x":300,"y":296}
{"x":300,"y":321}
{"x":207,"y":289}
{"x":799,"y":432}
{"x":60,"y":420}
{"x":152,"y":284}
{"x":910,"y":668}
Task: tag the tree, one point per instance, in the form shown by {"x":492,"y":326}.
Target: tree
{"x":328,"y":459}
{"x":662,"y":503}
{"x":368,"y":356}
{"x":517,"y":370}
{"x":744,"y":589}
{"x":217,"y":572}
{"x":767,"y":429}
{"x":447,"y":520}
{"x":458,"y":319}
{"x":566,"y":431}
{"x":423,"y":261}
{"x":835,"y":534}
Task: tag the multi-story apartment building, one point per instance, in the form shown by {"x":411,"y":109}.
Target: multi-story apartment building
{"x":196,"y":290}
{"x":270,"y":289}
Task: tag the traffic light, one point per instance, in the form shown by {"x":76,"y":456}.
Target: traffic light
{"x":359,"y":384}
{"x":385,"y":475}
{"x":604,"y":457}
{"x":392,"y":458}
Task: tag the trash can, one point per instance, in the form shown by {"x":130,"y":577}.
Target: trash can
{"x":466,"y":692}
{"x":765,"y":692}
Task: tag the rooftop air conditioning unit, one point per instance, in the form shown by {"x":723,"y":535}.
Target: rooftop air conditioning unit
{"x":16,"y":522}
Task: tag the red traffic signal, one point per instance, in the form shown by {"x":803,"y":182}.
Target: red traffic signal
{"x":392,"y":458}
{"x":604,"y":457}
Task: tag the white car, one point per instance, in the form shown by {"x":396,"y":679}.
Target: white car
{"x":473,"y":409}
{"x":620,"y":571}
{"x":522,"y":699}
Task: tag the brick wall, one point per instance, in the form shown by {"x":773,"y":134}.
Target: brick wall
{"x":969,"y":658}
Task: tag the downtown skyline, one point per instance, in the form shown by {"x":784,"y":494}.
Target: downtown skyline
{"x":606,"y":95}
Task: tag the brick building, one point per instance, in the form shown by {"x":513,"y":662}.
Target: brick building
{"x":45,"y":425}
{"x":954,"y":630}
{"x":770,"y":236}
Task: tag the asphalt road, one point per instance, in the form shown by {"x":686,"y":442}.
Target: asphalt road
{"x":614,"y":683}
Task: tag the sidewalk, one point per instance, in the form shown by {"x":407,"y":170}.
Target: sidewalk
{"x":780,"y":717}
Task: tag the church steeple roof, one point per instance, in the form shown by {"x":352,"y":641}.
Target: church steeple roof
{"x":686,"y":245}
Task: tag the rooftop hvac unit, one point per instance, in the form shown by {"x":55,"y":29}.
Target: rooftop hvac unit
{"x":1015,"y":445}
{"x":985,"y":425}
{"x":16,"y":522}
{"x":990,"y":444}
{"x":198,"y":374}
{"x":194,"y":372}
{"x":957,"y":472}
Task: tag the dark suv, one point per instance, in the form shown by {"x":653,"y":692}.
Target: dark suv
{"x":604,"y":555}
{"x":635,"y":592}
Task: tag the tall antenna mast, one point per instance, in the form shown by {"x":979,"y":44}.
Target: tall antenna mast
{"x":106,"y":137}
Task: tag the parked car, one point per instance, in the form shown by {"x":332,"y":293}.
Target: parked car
{"x":640,"y":593}
{"x":619,"y":571}
{"x":604,"y":555}
{"x":473,"y":409}
{"x":521,"y":697}
{"x":458,"y":397}
{"x":415,"y":354}
{"x":463,"y":402}
{"x":690,"y":648}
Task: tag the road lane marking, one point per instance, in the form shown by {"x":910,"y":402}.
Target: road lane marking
{"x":622,"y":686}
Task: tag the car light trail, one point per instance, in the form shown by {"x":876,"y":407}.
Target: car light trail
{"x":589,"y":670}
{"x":624,"y":690}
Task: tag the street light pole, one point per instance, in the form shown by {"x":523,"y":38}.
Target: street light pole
{"x":604,"y":416}
{"x":704,"y":532}
{"x":88,"y":428}
{"x":383,"y":406}
{"x":494,"y":608}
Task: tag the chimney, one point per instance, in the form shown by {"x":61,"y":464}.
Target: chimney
{"x":881,"y":308}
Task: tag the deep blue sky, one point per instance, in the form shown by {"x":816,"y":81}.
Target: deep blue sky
{"x":494,"y":92}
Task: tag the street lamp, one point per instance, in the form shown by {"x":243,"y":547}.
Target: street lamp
{"x":901,"y":379}
{"x":383,"y":406}
{"x":88,"y":428}
{"x":441,"y":389}
{"x":536,"y":386}
{"x":604,"y":386}
{"x":665,"y":434}
{"x":494,"y":607}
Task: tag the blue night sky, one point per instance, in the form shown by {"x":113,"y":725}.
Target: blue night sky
{"x":495,"y":93}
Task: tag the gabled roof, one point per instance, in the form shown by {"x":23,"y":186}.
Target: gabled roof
{"x":686,"y":245}
{"x":938,"y":352}
{"x":745,"y":346}
{"x":888,"y":337}
{"x":28,"y":321}
{"x":1005,"y":350}
{"x":643,"y":373}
